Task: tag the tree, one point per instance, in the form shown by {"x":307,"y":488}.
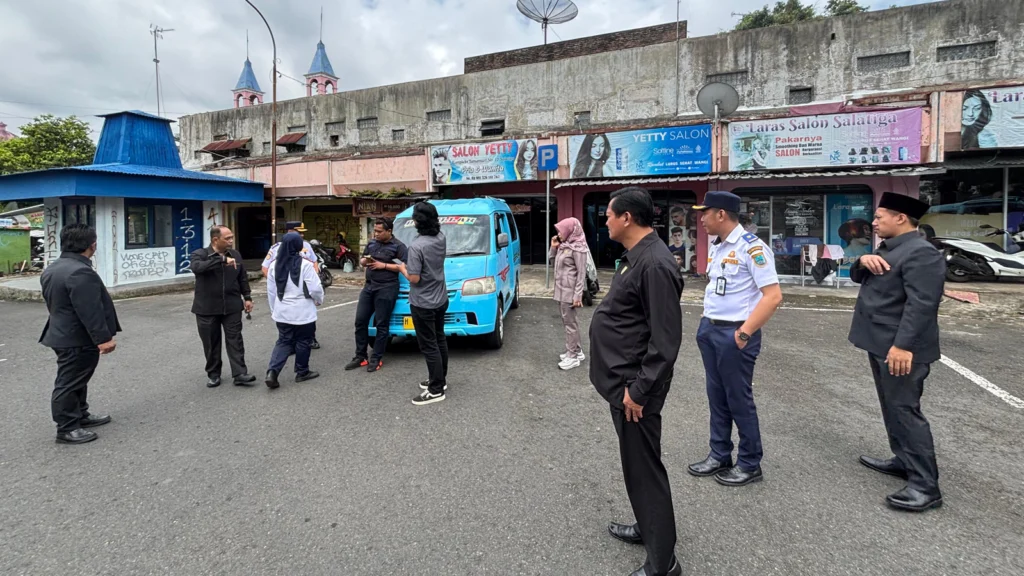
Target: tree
{"x":48,"y":142}
{"x":792,"y":11}
{"x":843,"y":7}
{"x":782,"y":13}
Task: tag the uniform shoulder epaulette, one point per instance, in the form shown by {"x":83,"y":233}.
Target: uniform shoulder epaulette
{"x":749,"y":237}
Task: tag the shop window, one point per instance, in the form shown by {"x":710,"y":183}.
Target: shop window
{"x":675,"y":222}
{"x":78,"y":211}
{"x":961,"y":202}
{"x":787,"y":219}
{"x":148,"y":225}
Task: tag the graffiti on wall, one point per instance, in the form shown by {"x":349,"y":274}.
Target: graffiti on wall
{"x":52,"y":217}
{"x":184,"y":240}
{"x":146,"y":264}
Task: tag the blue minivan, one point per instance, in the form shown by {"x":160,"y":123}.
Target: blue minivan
{"x":481,"y":270}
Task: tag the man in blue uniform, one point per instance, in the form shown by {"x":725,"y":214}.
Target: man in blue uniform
{"x":742,"y":295}
{"x":307,"y":253}
{"x":379,"y":294}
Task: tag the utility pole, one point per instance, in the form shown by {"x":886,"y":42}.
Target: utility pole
{"x":157,"y":33}
{"x":273,"y":134}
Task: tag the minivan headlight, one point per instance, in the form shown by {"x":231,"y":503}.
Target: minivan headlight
{"x":479,"y":286}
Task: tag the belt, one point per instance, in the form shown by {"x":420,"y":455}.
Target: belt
{"x":736,"y":323}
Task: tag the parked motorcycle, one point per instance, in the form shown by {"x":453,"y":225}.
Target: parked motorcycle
{"x":344,"y":257}
{"x":968,"y":259}
{"x":326,"y":278}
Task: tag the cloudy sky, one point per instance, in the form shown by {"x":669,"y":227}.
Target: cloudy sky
{"x":88,"y":57}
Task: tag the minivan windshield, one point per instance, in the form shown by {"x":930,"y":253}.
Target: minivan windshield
{"x":465,"y":235}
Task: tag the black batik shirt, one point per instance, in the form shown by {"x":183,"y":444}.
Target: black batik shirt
{"x":637,"y":329}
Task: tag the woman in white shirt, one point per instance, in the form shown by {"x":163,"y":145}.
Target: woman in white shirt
{"x":294,"y":291}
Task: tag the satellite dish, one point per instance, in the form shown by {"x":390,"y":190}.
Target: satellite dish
{"x":548,"y":12}
{"x":718,"y":100}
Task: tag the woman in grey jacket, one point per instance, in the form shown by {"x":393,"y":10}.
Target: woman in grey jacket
{"x":569,"y":250}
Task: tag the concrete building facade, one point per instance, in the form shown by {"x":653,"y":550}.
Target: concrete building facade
{"x":924,"y":57}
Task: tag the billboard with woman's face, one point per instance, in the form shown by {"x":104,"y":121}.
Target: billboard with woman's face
{"x":505,"y":161}
{"x":992,"y":118}
{"x":677,"y":150}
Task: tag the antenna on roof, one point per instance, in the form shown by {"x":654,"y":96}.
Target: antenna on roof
{"x":157,"y":33}
{"x":321,"y":23}
{"x":548,"y":12}
{"x":246,"y":43}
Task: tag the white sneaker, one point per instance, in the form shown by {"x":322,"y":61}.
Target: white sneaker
{"x":579,"y":356}
{"x":569,"y":363}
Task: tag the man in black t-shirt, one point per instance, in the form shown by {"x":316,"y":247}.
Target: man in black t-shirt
{"x":379,"y":294}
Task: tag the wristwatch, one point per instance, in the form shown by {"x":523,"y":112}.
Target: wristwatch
{"x":744,"y":336}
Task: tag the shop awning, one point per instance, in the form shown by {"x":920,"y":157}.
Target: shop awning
{"x":997,"y":160}
{"x":881,"y":171}
{"x":225,"y":145}
{"x":292,"y":138}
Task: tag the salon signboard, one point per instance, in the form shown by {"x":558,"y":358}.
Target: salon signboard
{"x":885,"y":137}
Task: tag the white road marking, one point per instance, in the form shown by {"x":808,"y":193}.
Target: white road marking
{"x":338,"y":305}
{"x":980,"y":381}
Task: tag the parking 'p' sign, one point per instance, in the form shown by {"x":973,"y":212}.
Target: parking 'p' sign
{"x":548,"y":157}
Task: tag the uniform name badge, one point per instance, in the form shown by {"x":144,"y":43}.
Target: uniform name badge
{"x":720,"y":286}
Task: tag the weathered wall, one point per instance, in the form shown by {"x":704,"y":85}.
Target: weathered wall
{"x":637,"y":87}
{"x":577,"y":47}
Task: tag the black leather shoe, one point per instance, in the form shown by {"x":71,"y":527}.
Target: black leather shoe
{"x":675,"y":570}
{"x":315,"y":345}
{"x":271,"y":380}
{"x":709,"y":467}
{"x":737,"y":476}
{"x":892,"y":466}
{"x":213,"y":382}
{"x":628,"y":533}
{"x":76,"y":436}
{"x":244,"y":380}
{"x":307,"y":376}
{"x":913,"y":500}
{"x":92,"y":421}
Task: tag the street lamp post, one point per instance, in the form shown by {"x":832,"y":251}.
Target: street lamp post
{"x":273,"y":134}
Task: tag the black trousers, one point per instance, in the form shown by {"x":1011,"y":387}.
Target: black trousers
{"x":429,"y":326}
{"x":910,"y":436}
{"x":210,"y":333}
{"x":647,"y":484}
{"x":75,"y":367}
{"x":378,"y":303}
{"x":292,"y":339}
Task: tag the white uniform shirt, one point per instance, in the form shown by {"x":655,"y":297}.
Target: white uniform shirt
{"x":295,"y":308}
{"x":747,"y":265}
{"x":307,"y":253}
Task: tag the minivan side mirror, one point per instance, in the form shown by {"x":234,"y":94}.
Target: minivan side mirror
{"x":502,"y":241}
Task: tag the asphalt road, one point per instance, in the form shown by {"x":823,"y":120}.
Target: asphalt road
{"x":517,"y":472}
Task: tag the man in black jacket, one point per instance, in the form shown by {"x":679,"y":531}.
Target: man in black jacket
{"x":81,"y":326}
{"x":221,"y":286}
{"x":635,"y":337}
{"x":896,"y":322}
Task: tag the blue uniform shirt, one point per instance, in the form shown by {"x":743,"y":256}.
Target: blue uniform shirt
{"x":747,"y":265}
{"x":307,"y":253}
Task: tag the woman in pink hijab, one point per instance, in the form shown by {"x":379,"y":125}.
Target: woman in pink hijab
{"x":569,"y":250}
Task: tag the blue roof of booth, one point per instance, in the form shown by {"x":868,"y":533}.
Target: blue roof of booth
{"x":136,"y":158}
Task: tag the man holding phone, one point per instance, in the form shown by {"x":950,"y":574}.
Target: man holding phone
{"x":379,"y":294}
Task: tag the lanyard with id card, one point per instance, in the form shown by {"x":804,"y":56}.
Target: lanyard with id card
{"x":720,"y":282}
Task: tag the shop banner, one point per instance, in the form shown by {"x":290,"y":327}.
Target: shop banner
{"x":679,"y":150}
{"x":992,"y":118}
{"x":859,"y":139}
{"x":505,"y":161}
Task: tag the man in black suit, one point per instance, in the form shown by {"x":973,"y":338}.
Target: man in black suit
{"x":221,"y":286}
{"x":896,"y":322}
{"x":81,"y":326}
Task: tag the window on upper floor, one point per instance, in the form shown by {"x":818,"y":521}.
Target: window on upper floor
{"x":800,"y":95}
{"x":974,"y":51}
{"x":439,"y":116}
{"x":493,"y":127}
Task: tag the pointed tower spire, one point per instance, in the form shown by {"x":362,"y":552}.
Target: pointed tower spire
{"x":247,"y":91}
{"x":321,"y":79}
